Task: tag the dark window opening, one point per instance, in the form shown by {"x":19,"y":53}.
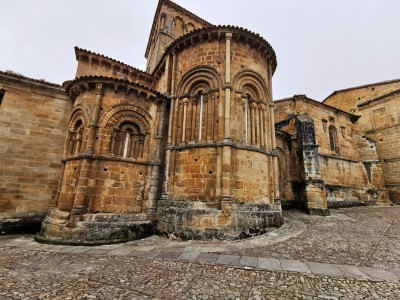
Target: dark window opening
{"x":332,"y":140}
{"x":1,"y":96}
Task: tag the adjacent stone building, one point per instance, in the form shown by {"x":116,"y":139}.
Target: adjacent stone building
{"x":193,"y":147}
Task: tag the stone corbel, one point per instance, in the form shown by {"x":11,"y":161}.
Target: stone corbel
{"x":99,"y":89}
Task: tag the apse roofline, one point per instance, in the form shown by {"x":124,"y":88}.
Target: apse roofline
{"x":219,"y":29}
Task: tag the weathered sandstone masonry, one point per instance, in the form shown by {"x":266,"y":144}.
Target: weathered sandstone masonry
{"x":327,"y":161}
{"x":33,"y":124}
{"x":112,"y":159}
{"x":219,"y":177}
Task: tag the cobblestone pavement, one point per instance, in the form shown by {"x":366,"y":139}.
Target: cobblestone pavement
{"x":33,"y":274}
{"x":351,"y":255}
{"x":362,"y":236}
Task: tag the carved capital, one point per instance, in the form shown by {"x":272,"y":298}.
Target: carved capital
{"x":99,"y":89}
{"x":228,"y":36}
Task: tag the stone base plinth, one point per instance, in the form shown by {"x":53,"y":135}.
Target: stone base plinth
{"x":189,"y":220}
{"x":93,"y":229}
{"x":24,"y":223}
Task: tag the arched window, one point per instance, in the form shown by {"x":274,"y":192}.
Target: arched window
{"x":190,"y":27}
{"x":127,"y":141}
{"x":333,"y":139}
{"x":75,"y":138}
{"x":178,"y":27}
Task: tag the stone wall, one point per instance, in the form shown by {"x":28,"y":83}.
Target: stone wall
{"x":170,"y":22}
{"x":343,"y":162}
{"x":348,"y":99}
{"x":380,"y":120}
{"x":33,"y":124}
{"x":194,"y":174}
{"x":93,"y":64}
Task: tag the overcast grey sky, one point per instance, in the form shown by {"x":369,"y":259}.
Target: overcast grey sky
{"x":321,"y":45}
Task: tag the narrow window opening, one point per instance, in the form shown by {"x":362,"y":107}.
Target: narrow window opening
{"x":1,"y":95}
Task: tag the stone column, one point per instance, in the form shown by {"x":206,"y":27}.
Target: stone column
{"x":267,"y":128}
{"x":253,"y":123}
{"x":226,"y":150}
{"x":155,"y":172}
{"x":227,"y":118}
{"x":206,"y":119}
{"x":164,"y":188}
{"x":173,"y":73}
{"x":193,"y":121}
{"x":275,"y":158}
{"x":112,"y":142}
{"x":185,"y":103}
{"x":262,"y":128}
{"x":95,"y":119}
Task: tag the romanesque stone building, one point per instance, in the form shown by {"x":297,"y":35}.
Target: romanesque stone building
{"x":194,"y":146}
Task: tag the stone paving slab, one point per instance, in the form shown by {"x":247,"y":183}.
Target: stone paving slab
{"x":249,"y":261}
{"x":294,"y":266}
{"x":228,"y":259}
{"x":352,"y":271}
{"x":124,"y":250}
{"x":379,"y":273}
{"x":169,"y":255}
{"x":190,"y":256}
{"x":148,"y":254}
{"x":269,"y":263}
{"x":324,"y":269}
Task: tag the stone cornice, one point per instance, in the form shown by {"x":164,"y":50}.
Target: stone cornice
{"x":220,"y":144}
{"x":111,"y":158}
{"x":19,"y":77}
{"x":80,"y":84}
{"x":304,"y":98}
{"x":380,"y":99}
{"x":80,"y":53}
{"x":216,"y":33}
{"x":360,"y":87}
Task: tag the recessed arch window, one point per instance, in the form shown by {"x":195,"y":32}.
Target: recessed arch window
{"x":75,"y":138}
{"x":333,"y":143}
{"x":178,"y":27}
{"x":127,"y":141}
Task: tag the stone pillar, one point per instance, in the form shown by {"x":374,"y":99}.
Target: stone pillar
{"x":155,"y":172}
{"x":194,"y":116}
{"x":164,"y":188}
{"x":226,"y":150}
{"x":185,"y":103}
{"x":227,"y":118}
{"x":173,"y":74}
{"x":112,"y":142}
{"x":267,"y":128}
{"x":262,"y":128}
{"x":95,"y":119}
{"x":275,"y":158}
{"x":253,"y":125}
